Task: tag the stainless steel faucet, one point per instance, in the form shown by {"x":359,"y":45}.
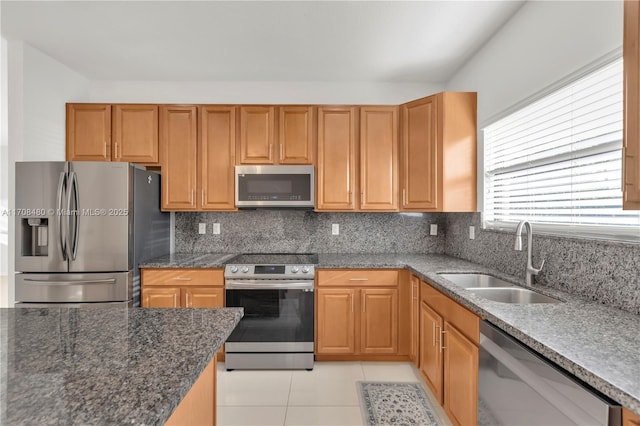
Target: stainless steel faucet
{"x":531,"y":271}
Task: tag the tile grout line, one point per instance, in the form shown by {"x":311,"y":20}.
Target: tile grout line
{"x":286,"y":411}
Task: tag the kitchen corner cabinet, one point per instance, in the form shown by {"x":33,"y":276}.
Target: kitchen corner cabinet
{"x":631,"y":144}
{"x":449,"y":340}
{"x":257,"y":134}
{"x":357,"y":315}
{"x":357,"y":159}
{"x":336,"y":168}
{"x":438,"y":153}
{"x":121,"y":132}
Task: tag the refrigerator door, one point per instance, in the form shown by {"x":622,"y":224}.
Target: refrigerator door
{"x":74,"y":288}
{"x":100,"y":235}
{"x":40,"y":222}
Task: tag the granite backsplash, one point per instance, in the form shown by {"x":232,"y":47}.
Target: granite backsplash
{"x":300,"y":231}
{"x":603,"y":271}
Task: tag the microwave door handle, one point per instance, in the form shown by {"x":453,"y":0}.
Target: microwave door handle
{"x":62,"y":190}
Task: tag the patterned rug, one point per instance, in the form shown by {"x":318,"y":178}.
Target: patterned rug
{"x":395,"y":403}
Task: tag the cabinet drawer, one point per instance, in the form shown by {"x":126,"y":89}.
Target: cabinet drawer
{"x":357,"y":277}
{"x":457,"y":315}
{"x":183,"y":277}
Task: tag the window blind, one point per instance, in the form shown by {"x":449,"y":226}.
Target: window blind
{"x":558,"y":161}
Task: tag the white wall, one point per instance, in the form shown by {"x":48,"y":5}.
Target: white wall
{"x":257,"y":92}
{"x":544,"y":42}
{"x":37,"y":89}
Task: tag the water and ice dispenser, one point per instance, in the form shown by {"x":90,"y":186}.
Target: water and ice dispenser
{"x":35,"y":236}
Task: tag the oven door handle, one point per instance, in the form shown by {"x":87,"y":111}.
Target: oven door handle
{"x":268,"y":285}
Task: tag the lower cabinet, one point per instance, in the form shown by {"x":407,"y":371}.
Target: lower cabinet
{"x":358,"y":320}
{"x":198,"y":407}
{"x":449,"y":339}
{"x":630,"y":418}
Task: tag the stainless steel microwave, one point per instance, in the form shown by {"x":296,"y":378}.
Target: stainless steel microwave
{"x":275,"y":186}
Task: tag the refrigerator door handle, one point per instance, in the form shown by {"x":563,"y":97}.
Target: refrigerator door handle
{"x":110,"y":280}
{"x":74,"y":191}
{"x":62,"y":189}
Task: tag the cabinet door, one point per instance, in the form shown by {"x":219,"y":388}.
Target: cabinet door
{"x":257,"y":132}
{"x":179,"y":151}
{"x":415,"y":321}
{"x":336,"y":158}
{"x":160,"y":297}
{"x":629,"y":418}
{"x":419,"y":154}
{"x":135,"y":133}
{"x":379,"y":158}
{"x":379,"y":321}
{"x":202,"y":297}
{"x":88,"y":132}
{"x":430,"y":353}
{"x":631,"y":144}
{"x":296,"y":134}
{"x":460,"y":377}
{"x":217,"y":153}
{"x":335,"y":321}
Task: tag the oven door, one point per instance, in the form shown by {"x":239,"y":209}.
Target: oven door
{"x":276,"y":319}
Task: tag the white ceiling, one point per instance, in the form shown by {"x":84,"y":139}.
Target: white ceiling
{"x":377,"y":41}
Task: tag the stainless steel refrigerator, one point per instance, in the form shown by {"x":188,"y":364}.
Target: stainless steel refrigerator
{"x":82,"y":229}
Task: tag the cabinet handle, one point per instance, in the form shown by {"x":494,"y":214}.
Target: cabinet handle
{"x":104,"y":149}
{"x":361,"y":198}
{"x":404,"y":197}
{"x":202,"y":196}
{"x":281,"y":152}
{"x":270,"y":151}
{"x":115,"y":146}
{"x":351,"y":302}
{"x":350,"y":196}
{"x":182,"y":279}
{"x":442,"y":346}
{"x":358,"y":279}
{"x":364,"y":303}
{"x":193,"y":195}
{"x":433,"y":335}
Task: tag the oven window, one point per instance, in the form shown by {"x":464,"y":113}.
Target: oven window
{"x":273,"y":315}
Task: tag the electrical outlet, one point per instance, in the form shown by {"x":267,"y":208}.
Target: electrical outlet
{"x":433,"y":229}
{"x":472,"y":232}
{"x":216,"y":229}
{"x":335,"y":229}
{"x":202,"y":228}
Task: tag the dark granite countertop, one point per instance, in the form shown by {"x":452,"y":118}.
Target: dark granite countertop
{"x":104,"y":366}
{"x":596,"y":343}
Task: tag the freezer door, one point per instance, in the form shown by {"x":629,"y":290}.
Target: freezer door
{"x":74,"y":288}
{"x":100,"y":235}
{"x":40,"y":224}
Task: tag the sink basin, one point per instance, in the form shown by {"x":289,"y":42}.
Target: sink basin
{"x":475,"y":280}
{"x":512,"y":295}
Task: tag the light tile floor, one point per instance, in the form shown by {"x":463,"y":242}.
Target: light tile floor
{"x":325,"y":396}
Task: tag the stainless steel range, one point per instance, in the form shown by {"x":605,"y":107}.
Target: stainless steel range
{"x":276,"y":292}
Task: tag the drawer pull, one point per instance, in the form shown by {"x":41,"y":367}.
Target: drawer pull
{"x":358,"y":279}
{"x":182,"y":279}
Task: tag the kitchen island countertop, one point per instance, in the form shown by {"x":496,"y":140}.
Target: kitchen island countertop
{"x":596,"y":343}
{"x":104,"y":366}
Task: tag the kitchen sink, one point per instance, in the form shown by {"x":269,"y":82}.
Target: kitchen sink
{"x":512,"y":295}
{"x":476,"y":280}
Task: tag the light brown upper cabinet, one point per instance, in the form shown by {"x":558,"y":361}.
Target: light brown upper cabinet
{"x":336,"y":169}
{"x":257,"y":134}
{"x":135,"y":133}
{"x":216,"y":153}
{"x":439,"y":153}
{"x":88,"y":132}
{"x":631,"y":145}
{"x":379,"y":158}
{"x":103,"y":132}
{"x":179,"y":145}
{"x":296,"y":134}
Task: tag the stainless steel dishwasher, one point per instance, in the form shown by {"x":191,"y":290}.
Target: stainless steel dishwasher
{"x":516,"y":386}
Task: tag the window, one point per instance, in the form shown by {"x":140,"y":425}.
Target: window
{"x":558,"y":162}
